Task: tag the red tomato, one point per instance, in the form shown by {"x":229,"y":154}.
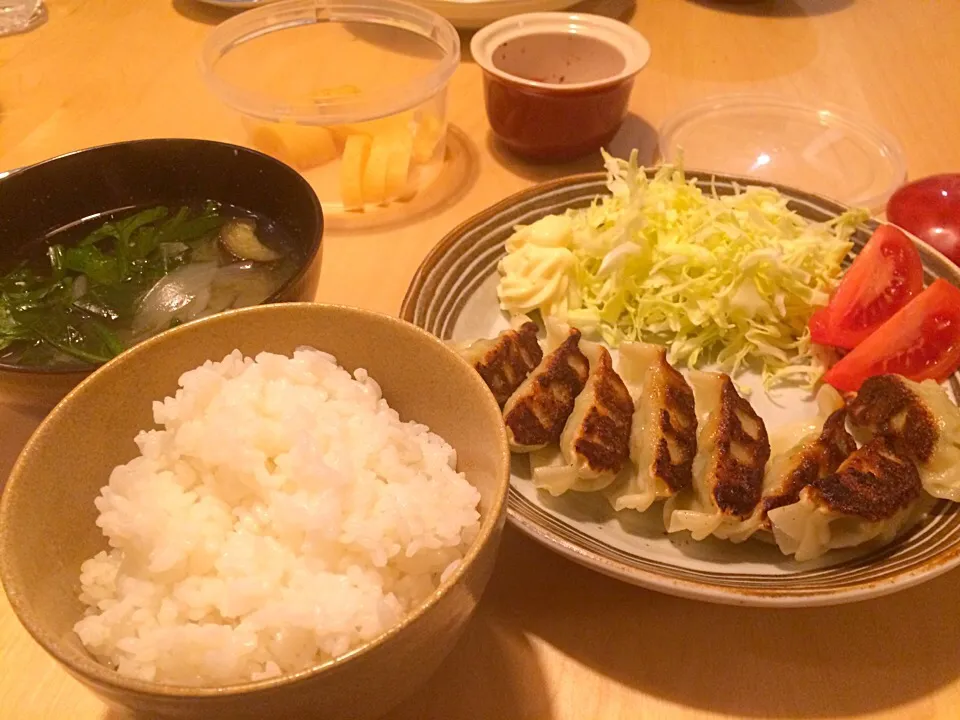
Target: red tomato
{"x":921,"y":341}
{"x":882,"y":279}
{"x":930,"y":209}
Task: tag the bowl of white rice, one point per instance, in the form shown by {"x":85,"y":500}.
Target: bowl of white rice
{"x":283,"y":510}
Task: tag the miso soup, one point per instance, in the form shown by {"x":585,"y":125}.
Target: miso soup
{"x":88,"y":291}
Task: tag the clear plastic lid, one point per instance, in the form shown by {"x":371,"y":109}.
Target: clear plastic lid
{"x":820,"y":149}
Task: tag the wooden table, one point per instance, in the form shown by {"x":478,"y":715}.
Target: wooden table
{"x":551,"y":639}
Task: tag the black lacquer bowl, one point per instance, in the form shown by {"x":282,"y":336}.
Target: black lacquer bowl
{"x":52,"y":194}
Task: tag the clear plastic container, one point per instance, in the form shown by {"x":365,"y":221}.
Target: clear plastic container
{"x":821,"y":149}
{"x":17,"y":16}
{"x":352,"y":93}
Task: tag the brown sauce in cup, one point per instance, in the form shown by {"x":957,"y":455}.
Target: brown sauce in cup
{"x":559,"y":58}
{"x":578,"y":110}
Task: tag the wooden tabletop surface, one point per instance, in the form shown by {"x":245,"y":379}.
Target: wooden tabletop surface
{"x":551,"y":640}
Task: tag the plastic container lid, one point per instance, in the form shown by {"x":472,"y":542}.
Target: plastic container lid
{"x":820,"y":149}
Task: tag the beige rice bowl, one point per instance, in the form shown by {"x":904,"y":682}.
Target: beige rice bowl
{"x":282,"y":516}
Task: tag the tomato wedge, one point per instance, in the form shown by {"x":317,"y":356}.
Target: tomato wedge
{"x":921,"y":341}
{"x":882,"y":279}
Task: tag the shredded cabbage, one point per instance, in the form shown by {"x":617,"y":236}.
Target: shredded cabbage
{"x":725,"y":280}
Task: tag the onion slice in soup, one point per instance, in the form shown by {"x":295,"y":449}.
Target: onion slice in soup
{"x":180,"y":296}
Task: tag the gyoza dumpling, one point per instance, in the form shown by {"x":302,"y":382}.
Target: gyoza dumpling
{"x":595,"y":439}
{"x":594,"y":444}
{"x":920,"y":422}
{"x":505,"y":361}
{"x":537,"y":411}
{"x":663,"y":440}
{"x":872,"y":496}
{"x":814,"y":456}
{"x":732,"y":451}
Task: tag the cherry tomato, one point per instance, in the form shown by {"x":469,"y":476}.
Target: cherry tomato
{"x":930,"y":209}
{"x":882,"y":279}
{"x":920,"y":342}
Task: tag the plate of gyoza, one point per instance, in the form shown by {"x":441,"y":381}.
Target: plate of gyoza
{"x":703,"y":392}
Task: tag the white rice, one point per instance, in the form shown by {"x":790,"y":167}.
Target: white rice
{"x":283,"y":516}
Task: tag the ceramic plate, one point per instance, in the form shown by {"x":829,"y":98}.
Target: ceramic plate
{"x":467,"y":14}
{"x":472,"y":14}
{"x":454,"y":296}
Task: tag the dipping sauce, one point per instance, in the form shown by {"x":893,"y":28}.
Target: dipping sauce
{"x":559,"y":58}
{"x":556,"y":85}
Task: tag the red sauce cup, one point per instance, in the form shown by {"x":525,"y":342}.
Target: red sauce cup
{"x":556,"y":85}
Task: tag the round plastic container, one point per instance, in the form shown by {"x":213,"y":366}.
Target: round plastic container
{"x":352,"y":93}
{"x":820,"y":149}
